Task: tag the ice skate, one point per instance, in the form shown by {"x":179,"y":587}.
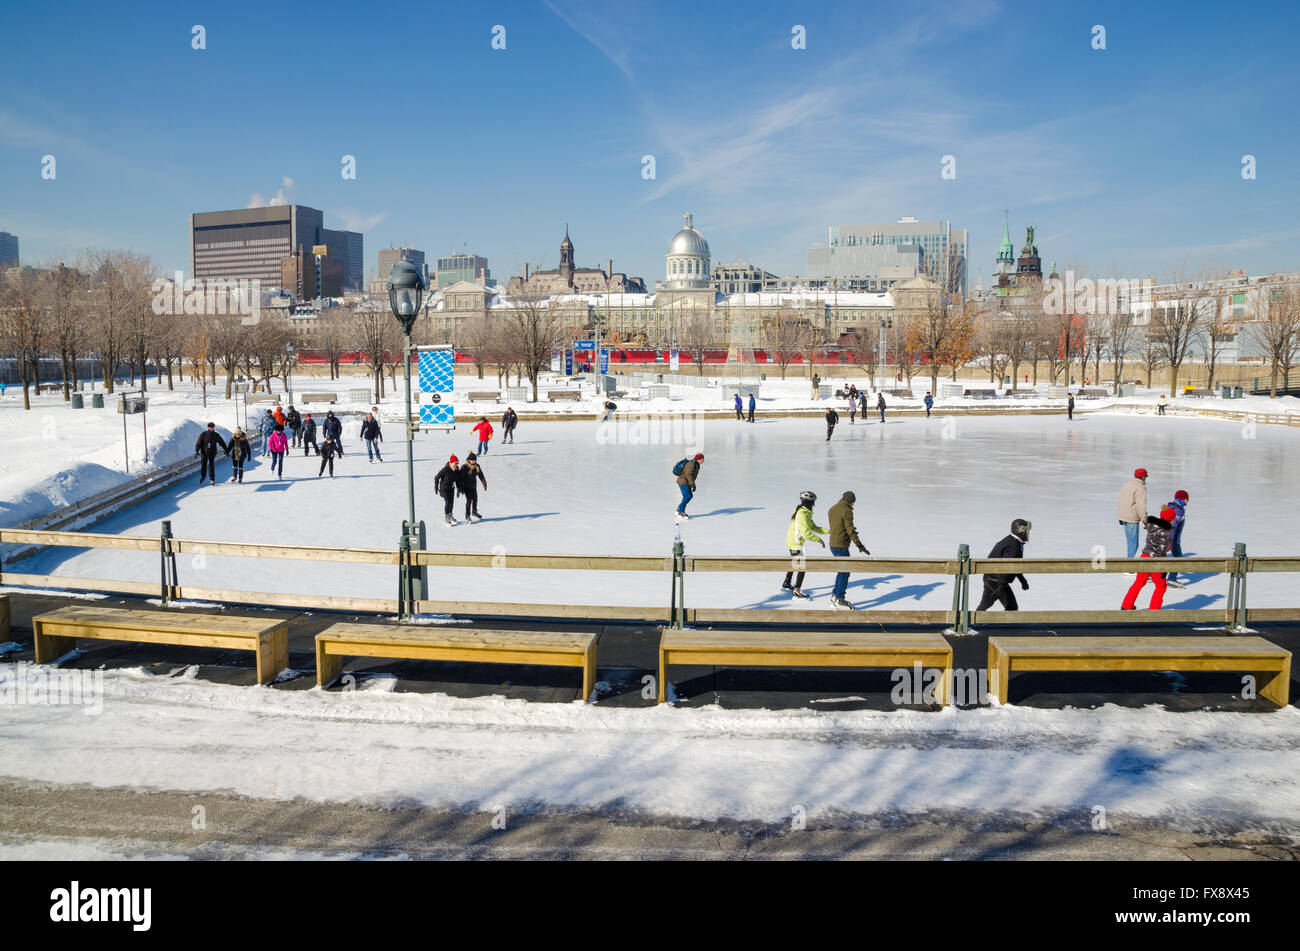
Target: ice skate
{"x":800,"y":594}
{"x":842,"y":605}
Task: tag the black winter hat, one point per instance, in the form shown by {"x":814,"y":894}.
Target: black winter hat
{"x":849,"y":497}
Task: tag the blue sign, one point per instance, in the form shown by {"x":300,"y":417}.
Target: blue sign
{"x":604,"y":361}
{"x":437,"y":382}
{"x":568,"y":363}
{"x":584,"y":345}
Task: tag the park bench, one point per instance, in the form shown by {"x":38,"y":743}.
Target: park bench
{"x":306,"y":398}
{"x":803,"y":649}
{"x":4,"y":617}
{"x":56,"y":633}
{"x":1022,"y":394}
{"x":905,"y":394}
{"x":490,"y":396}
{"x":1200,"y":392}
{"x":417,"y":642}
{"x":261,"y":398}
{"x":981,"y":394}
{"x":1012,"y":655}
{"x":1093,"y":394}
{"x":571,"y":395}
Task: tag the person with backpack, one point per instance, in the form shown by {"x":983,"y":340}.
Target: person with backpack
{"x":205,"y":447}
{"x":294,"y":420}
{"x":843,"y":531}
{"x":266,"y":426}
{"x":238,"y":450}
{"x":687,"y":471}
{"x":998,"y":587}
{"x":483,"y":429}
{"x":328,"y":450}
{"x":309,"y":436}
{"x":445,"y":484}
{"x":278,"y":444}
{"x":508,"y":423}
{"x":832,"y":418}
{"x":740,"y":415}
{"x":333,"y":429}
{"x":1159,"y":538}
{"x":802,"y":529}
{"x":467,"y":482}
{"x":372,"y":434}
{"x":753,"y":403}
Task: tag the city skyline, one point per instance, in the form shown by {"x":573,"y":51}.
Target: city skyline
{"x":767,"y":145}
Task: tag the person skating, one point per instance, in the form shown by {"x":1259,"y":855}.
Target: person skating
{"x":842,"y":532}
{"x":998,"y":587}
{"x":278,"y":444}
{"x":445,"y":484}
{"x":484,"y":432}
{"x":880,"y":405}
{"x":1159,"y":538}
{"x":333,"y":429}
{"x":802,"y":530}
{"x":508,"y":423}
{"x":468,"y":478}
{"x":610,"y":409}
{"x":1179,"y":505}
{"x":294,"y":420}
{"x":1162,"y":405}
{"x":309,"y":436}
{"x":328,"y":450}
{"x":206,"y":447}
{"x":740,"y":415}
{"x":832,"y":418}
{"x":238,"y":450}
{"x":1069,"y":406}
{"x":753,"y":403}
{"x":853,"y":407}
{"x":929,"y":405}
{"x":279,"y":417}
{"x":373,"y":436}
{"x":266,"y":426}
{"x":1133,"y":509}
{"x":687,"y":471}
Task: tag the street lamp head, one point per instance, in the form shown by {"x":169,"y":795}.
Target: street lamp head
{"x":406,"y":287}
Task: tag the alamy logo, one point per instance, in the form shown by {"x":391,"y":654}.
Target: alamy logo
{"x":204,"y":297}
{"x":134,"y":905}
{"x":26,"y":684}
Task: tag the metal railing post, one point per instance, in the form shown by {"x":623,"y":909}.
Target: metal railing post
{"x":961,"y":591}
{"x":166,"y":555}
{"x":1237,"y":589}
{"x":403,"y":573}
{"x":677,"y":608}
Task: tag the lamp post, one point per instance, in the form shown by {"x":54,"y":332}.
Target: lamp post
{"x":406,"y":287}
{"x":288,"y":371}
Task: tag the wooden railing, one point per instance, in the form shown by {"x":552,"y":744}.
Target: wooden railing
{"x":1234,"y":615}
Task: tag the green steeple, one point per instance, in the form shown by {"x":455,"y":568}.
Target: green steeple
{"x":1006,"y":250}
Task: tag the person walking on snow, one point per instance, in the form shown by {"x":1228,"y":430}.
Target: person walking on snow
{"x":740,"y":415}
{"x":238,"y":450}
{"x":468,"y":478}
{"x":277,"y":444}
{"x":445,"y":484}
{"x":687,"y":471}
{"x":1159,"y":538}
{"x":802,"y":529}
{"x":205,"y":447}
{"x":853,"y":407}
{"x":484,"y":432}
{"x":1161,"y":406}
{"x":373,"y":436}
{"x":832,"y":418}
{"x":998,"y":587}
{"x":843,"y":531}
{"x":880,"y":405}
{"x":294,"y":419}
{"x":929,"y":405}
{"x":1133,"y":509}
{"x":309,"y":436}
{"x":753,"y":403}
{"x":333,"y":429}
{"x":328,"y":450}
{"x":1179,"y":505}
{"x":508,"y":423}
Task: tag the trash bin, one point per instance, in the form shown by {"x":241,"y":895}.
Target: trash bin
{"x":97,"y":401}
{"x":1237,"y":394}
{"x":78,"y":402}
{"x":1006,"y":381}
{"x":762,"y":376}
{"x":1227,"y":393}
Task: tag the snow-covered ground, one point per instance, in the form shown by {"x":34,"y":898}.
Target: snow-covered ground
{"x":923,"y":487}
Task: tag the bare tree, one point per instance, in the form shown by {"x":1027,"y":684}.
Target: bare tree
{"x":696,"y":334}
{"x":941,"y":333}
{"x":120,"y":287}
{"x":227,"y":346}
{"x":783,"y":333}
{"x":375,"y":334}
{"x":480,"y":338}
{"x":61,"y":291}
{"x":22,"y":326}
{"x":1219,"y":329}
{"x":1276,"y":330}
{"x":1177,"y":322}
{"x":535,"y":330}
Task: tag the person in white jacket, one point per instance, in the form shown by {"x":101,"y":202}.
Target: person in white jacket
{"x":1133,"y":509}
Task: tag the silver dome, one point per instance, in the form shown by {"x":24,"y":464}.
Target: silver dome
{"x":688,"y":241}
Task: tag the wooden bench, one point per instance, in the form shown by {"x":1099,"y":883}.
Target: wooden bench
{"x":1200,"y":393}
{"x":554,"y":395}
{"x":1012,"y":655}
{"x":261,"y":398}
{"x":800,"y":649}
{"x":980,"y":394}
{"x":418,"y":642}
{"x":489,"y":396}
{"x":1092,"y":394}
{"x":56,"y":633}
{"x":306,"y":398}
{"x":904,"y":394}
{"x":4,"y":617}
{"x":1022,"y":394}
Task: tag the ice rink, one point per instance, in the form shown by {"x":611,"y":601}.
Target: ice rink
{"x":923,"y":487}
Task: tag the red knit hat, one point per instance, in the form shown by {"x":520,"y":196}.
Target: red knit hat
{"x":452,"y":459}
{"x":699,"y":457}
{"x":1168,"y":514}
{"x":1182,"y":496}
{"x":1139,"y":473}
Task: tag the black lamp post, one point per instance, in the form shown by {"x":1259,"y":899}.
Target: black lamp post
{"x":406,"y":287}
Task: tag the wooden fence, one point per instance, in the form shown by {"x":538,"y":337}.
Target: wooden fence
{"x":1234,"y":615}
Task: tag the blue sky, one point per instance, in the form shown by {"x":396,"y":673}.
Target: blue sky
{"x":1127,"y":160}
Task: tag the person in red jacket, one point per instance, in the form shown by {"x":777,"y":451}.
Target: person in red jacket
{"x":484,"y":432}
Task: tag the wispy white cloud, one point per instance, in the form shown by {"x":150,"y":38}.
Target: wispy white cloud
{"x":355,"y":221}
{"x":282,"y":196}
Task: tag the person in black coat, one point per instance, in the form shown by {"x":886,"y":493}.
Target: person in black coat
{"x":445,"y":483}
{"x":373,"y":435}
{"x":832,"y":418}
{"x":467,"y":480}
{"x":206,"y":448}
{"x":328,"y":450}
{"x":293,"y":419}
{"x":1069,"y":407}
{"x":239,"y":450}
{"x":333,"y":429}
{"x":509,"y":421}
{"x":309,"y":436}
{"x":998,"y":587}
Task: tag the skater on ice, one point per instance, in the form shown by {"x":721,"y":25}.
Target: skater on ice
{"x":309,"y":436}
{"x":445,"y":484}
{"x":467,"y":482}
{"x":483,"y":430}
{"x":1159,"y":538}
{"x":802,"y":530}
{"x":328,"y":450}
{"x":509,"y":420}
{"x":929,"y":405}
{"x":205,"y":447}
{"x":278,"y":445}
{"x":266,"y":426}
{"x":238,"y":450}
{"x":687,"y":471}
{"x":294,"y":420}
{"x":842,"y":532}
{"x":853,"y":408}
{"x":753,"y":403}
{"x":1179,"y":506}
{"x":1162,"y":405}
{"x":1069,"y":406}
{"x":1133,"y":509}
{"x":740,"y":416}
{"x":832,"y":418}
{"x":333,"y":429}
{"x":880,"y":405}
{"x":373,"y":436}
{"x":998,"y":587}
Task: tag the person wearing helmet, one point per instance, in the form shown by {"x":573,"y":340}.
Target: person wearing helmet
{"x":842,"y":532}
{"x":1133,"y":509}
{"x":1159,"y":539}
{"x":998,"y":587}
{"x":802,"y":529}
{"x":1179,"y":505}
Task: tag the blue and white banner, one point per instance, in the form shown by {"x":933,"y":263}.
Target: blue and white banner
{"x":437,"y":375}
{"x":604,"y":362}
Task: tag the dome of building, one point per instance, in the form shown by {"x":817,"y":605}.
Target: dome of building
{"x":686,"y":265}
{"x":688,"y":240}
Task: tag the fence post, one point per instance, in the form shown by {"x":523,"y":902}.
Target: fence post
{"x":164,"y":553}
{"x":1237,"y":590}
{"x":961,"y":592}
{"x":403,"y":573}
{"x":677,"y":609}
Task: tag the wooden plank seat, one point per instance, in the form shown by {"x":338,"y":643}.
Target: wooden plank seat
{"x":330,"y":398}
{"x":490,"y":396}
{"x":1093,"y":394}
{"x":56,"y":633}
{"x":554,"y":395}
{"x":419,"y":642}
{"x":1012,"y":655}
{"x":4,"y":617}
{"x":803,"y":649}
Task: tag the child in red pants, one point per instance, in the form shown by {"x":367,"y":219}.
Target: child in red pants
{"x":1159,"y":538}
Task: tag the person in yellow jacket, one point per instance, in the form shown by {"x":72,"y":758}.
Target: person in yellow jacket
{"x":802,"y":529}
